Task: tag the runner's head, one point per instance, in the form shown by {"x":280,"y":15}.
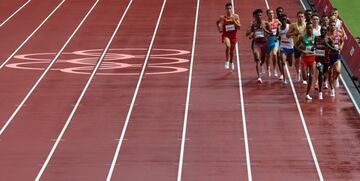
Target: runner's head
{"x":309,"y":28}
{"x":332,"y":18}
{"x":228,"y":8}
{"x":279,"y":11}
{"x":308,"y":14}
{"x":323,"y":31}
{"x":270,"y":13}
{"x":257,"y":15}
{"x":315,"y":19}
{"x":335,"y":12}
{"x":324,"y":20}
{"x":283,"y":19}
{"x":332,"y":25}
{"x":300,"y":17}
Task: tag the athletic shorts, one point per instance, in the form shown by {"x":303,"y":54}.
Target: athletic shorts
{"x":260,"y":47}
{"x":334,"y":58}
{"x":322,"y":67}
{"x":297,"y":53}
{"x":272,"y":43}
{"x":308,"y":61}
{"x":232,"y":38}
{"x":286,"y":51}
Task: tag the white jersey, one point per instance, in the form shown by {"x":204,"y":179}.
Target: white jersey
{"x":317,"y":31}
{"x":338,"y":24}
{"x":285,"y":41}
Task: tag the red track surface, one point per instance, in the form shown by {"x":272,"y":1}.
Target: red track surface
{"x":214,"y":147}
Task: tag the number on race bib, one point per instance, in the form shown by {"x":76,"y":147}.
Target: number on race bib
{"x":229,"y":28}
{"x":259,"y":34}
{"x":320,"y":53}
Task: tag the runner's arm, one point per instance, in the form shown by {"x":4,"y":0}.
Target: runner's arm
{"x":218,"y":24}
{"x":237,"y":21}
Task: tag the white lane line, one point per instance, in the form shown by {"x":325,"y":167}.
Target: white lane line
{"x":186,"y":113}
{"x":246,"y":140}
{"x":7,"y":19}
{"x":313,"y":153}
{"x":44,"y":73}
{"x":127,"y":120}
{"x":82,"y":94}
{"x":32,"y":34}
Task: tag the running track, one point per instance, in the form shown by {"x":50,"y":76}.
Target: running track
{"x":159,"y":105}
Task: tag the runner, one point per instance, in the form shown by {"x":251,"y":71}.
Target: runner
{"x":322,"y":59}
{"x":336,"y":43}
{"x":324,"y":21}
{"x":296,"y":30}
{"x":305,"y":44}
{"x":308,"y":15}
{"x":228,"y":25}
{"x":316,"y":30}
{"x":286,"y":46}
{"x":273,"y":44}
{"x":257,"y":33}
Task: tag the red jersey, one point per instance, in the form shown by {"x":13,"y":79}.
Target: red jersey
{"x":229,"y":29}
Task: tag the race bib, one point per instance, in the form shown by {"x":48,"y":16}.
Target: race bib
{"x":274,"y":31}
{"x":259,"y":34}
{"x":229,"y":28}
{"x":320,"y":53}
{"x":309,"y":48}
{"x":336,"y":46}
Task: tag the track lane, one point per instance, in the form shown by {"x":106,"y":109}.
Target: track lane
{"x":9,"y":10}
{"x":214,"y":148}
{"x":13,"y":36}
{"x":333,"y":124}
{"x":105,"y":104}
{"x":13,"y":145}
{"x":278,"y":146}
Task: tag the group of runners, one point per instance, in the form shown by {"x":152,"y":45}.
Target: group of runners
{"x":312,"y":43}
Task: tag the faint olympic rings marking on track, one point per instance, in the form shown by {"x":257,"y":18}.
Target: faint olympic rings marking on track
{"x":120,"y":61}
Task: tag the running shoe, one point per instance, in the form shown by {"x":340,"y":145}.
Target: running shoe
{"x":326,"y":85}
{"x":304,"y":82}
{"x":227,"y":65}
{"x":316,"y":86}
{"x":298,"y":77}
{"x":285,"y":81}
{"x":337,"y":84}
{"x":232,"y":66}
{"x":308,"y":97}
{"x":332,"y":92}
{"x":269,"y":72}
{"x":259,"y":81}
{"x":320,"y":96}
{"x":275,"y":72}
{"x":281,"y":77}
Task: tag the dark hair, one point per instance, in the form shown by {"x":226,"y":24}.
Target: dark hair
{"x":268,"y":10}
{"x":309,"y":23}
{"x":317,"y":15}
{"x":335,"y":9}
{"x":308,"y":11}
{"x":228,"y":4}
{"x":257,"y":11}
{"x":299,"y":12}
{"x":278,"y":8}
{"x":283,"y":16}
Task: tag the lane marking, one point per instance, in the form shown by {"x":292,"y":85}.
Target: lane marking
{"x":82,"y":94}
{"x":308,"y":137}
{"x":13,"y":14}
{"x":117,"y":62}
{"x":28,"y":38}
{"x":127,"y":120}
{"x":186,"y":113}
{"x":246,"y":139}
{"x":22,"y":104}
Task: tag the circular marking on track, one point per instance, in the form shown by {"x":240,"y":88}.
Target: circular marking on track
{"x":118,"y":61}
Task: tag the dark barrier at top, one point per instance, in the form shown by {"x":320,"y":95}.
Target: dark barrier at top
{"x":351,"y":50}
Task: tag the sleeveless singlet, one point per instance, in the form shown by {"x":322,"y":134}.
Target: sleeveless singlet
{"x":285,"y":41}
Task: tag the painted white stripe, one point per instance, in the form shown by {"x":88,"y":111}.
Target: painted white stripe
{"x":32,"y":34}
{"x":82,"y":94}
{"x":127,"y":120}
{"x":186,"y":113}
{"x":243,"y":115}
{"x":313,"y":153}
{"x":44,"y":73}
{"x":7,"y":19}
